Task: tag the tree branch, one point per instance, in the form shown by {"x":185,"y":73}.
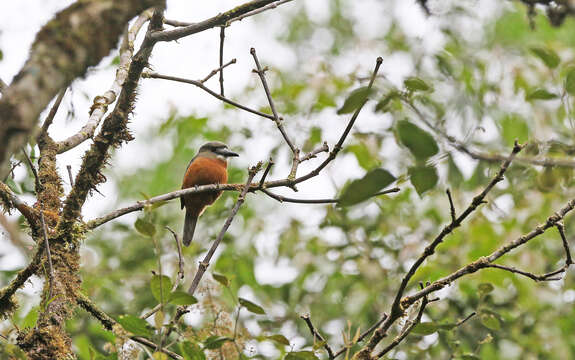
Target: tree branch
{"x":58,"y":57}
{"x":317,"y":335}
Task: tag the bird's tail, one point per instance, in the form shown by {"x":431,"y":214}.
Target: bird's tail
{"x":189,"y":227}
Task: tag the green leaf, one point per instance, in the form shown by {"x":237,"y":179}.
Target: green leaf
{"x":222,"y":279}
{"x":421,"y":144}
{"x":485,"y":288}
{"x":382,"y":105}
{"x":145,"y":228}
{"x":548,"y":56}
{"x":425,"y":328}
{"x":182,"y":298}
{"x":416,"y":84}
{"x":514,"y":127}
{"x":540,"y":94}
{"x":423,"y":178}
{"x":161,"y":286}
{"x":192,"y":351}
{"x":251,"y":307}
{"x":570,"y":81}
{"x":490,"y":321}
{"x":301,"y":355}
{"x":159,"y":356}
{"x":355,"y":100}
{"x":31,"y":318}
{"x":280,"y":339}
{"x":135,"y":325}
{"x":364,"y":156}
{"x":364,"y":188}
{"x":216,"y":342}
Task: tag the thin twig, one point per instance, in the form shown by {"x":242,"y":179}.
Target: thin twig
{"x":544,"y":277}
{"x":222,"y":37}
{"x":362,"y":336}
{"x":69,"y":168}
{"x":52,"y":113}
{"x":451,"y":206}
{"x":218,"y":70}
{"x":179,"y":278}
{"x":276,"y":118}
{"x":561,"y":228}
{"x":462,"y":321}
{"x":33,"y":169}
{"x":317,"y":335}
{"x":312,"y":154}
{"x":281,"y":198}
{"x":208,"y":90}
{"x":266,"y":171}
{"x":409,"y":325}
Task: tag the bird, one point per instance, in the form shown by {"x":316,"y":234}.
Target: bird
{"x":209,"y":166}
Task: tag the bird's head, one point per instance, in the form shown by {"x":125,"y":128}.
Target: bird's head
{"x":216,"y":149}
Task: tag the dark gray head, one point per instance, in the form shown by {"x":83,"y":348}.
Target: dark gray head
{"x":216,"y":149}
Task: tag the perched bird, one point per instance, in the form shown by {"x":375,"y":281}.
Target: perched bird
{"x":209,"y":166}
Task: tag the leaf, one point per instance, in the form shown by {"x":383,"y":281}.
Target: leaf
{"x":159,"y":356}
{"x":540,"y":94}
{"x":570,"y":81}
{"x":485,"y":288}
{"x":31,"y":318}
{"x":318,"y":345}
{"x":222,"y":279}
{"x":280,"y":339}
{"x":423,"y":178}
{"x":159,"y":317}
{"x":382,"y":105}
{"x":145,"y":227}
{"x":251,"y":307}
{"x":425,"y":328}
{"x":161,"y":286}
{"x":514,"y":127}
{"x":215,"y":342}
{"x":364,"y":188}
{"x":454,"y":175}
{"x":192,"y":351}
{"x":416,"y":84}
{"x":135,"y":325}
{"x":355,"y":100}
{"x":301,"y":355}
{"x":548,"y":56}
{"x":490,"y":321}
{"x":182,"y":298}
{"x":420,"y":143}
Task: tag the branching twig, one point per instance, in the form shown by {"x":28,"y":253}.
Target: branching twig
{"x":101,"y":102}
{"x":409,"y":325}
{"x":317,"y":335}
{"x":208,"y":90}
{"x":218,"y":70}
{"x":312,"y":154}
{"x":276,"y":118}
{"x":561,"y":228}
{"x":266,"y":171}
{"x":362,"y":336}
{"x":545,"y":277}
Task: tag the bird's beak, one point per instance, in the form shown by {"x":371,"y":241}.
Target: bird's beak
{"x":227,"y":153}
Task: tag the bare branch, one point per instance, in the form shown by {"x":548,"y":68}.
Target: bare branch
{"x":312,"y":154}
{"x":451,"y":206}
{"x":218,"y":20}
{"x":281,"y":198}
{"x":544,"y":277}
{"x":52,"y":113}
{"x":218,"y":70}
{"x":70,"y":177}
{"x":206,"y":89}
{"x":266,"y":171}
{"x":56,"y":58}
{"x":101,"y":102}
{"x":362,"y":336}
{"x":33,"y":169}
{"x":222,"y":37}
{"x":276,"y":118}
{"x":10,"y":201}
{"x":317,"y":335}
{"x":464,"y":320}
{"x":23,"y":275}
{"x":561,"y":228}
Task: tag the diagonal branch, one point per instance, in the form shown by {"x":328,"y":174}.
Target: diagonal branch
{"x":101,"y":102}
{"x":317,"y":335}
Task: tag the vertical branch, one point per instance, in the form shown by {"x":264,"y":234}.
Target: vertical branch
{"x":49,"y":258}
{"x":222,"y":37}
